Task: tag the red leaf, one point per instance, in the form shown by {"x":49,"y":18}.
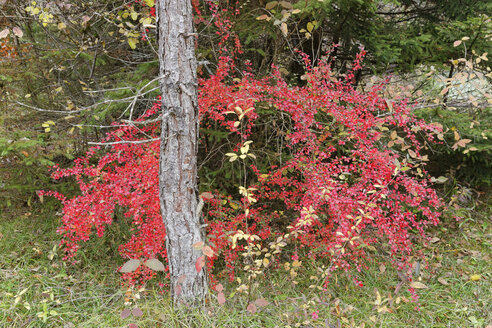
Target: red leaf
{"x":219,"y":288}
{"x":125,"y":313}
{"x":261,"y":302}
{"x":137,"y":312}
{"x":200,"y":263}
{"x":181,"y":279}
{"x":132,"y":325}
{"x":178,"y":290}
{"x":251,"y":308}
{"x":221,"y":298}
{"x":207,"y":195}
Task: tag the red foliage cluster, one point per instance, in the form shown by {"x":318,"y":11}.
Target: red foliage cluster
{"x":343,"y":187}
{"x":8,"y":50}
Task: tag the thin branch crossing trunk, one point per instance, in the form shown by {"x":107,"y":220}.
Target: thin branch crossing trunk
{"x":178,"y":152}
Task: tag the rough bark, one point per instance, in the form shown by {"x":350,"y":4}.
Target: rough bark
{"x":178,"y":152}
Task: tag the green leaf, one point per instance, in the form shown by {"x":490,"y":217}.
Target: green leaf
{"x":130,"y":266}
{"x":440,"y":179}
{"x":271,"y":5}
{"x":154,"y":264}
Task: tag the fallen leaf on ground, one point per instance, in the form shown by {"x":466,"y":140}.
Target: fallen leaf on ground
{"x":221,"y":298}
{"x":443,"y":281}
{"x":475,"y":277}
{"x":418,"y":285}
{"x":251,"y":308}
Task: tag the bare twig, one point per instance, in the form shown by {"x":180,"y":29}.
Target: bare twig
{"x":123,"y":142}
{"x":81,"y":109}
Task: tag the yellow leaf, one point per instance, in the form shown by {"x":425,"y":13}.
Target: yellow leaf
{"x":147,"y":21}
{"x":475,"y":277}
{"x":134,"y":15}
{"x":442,"y":281}
{"x":418,"y":285}
{"x":208,"y":251}
{"x":150,"y":3}
{"x":133,"y":43}
{"x":61,"y":26}
{"x":198,"y":245}
{"x":378,"y":300}
{"x":296,"y":264}
{"x":310,"y":27}
{"x":244,"y":149}
{"x":283,"y":28}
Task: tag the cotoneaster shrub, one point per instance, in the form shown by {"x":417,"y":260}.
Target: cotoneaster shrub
{"x":349,"y":177}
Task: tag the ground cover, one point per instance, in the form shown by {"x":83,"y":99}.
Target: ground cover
{"x":38,"y":289}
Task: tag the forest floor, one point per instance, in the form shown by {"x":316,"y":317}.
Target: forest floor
{"x":38,"y":289}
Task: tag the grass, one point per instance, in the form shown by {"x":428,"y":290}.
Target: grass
{"x":37,"y":289}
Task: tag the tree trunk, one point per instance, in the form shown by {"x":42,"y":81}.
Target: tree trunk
{"x":178,"y":152}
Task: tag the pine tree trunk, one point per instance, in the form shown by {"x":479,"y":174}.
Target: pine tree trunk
{"x":178,"y":152}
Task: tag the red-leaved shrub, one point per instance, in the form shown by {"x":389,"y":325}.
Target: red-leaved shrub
{"x":349,"y":175}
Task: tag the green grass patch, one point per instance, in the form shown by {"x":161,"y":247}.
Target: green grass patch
{"x":38,"y":289}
